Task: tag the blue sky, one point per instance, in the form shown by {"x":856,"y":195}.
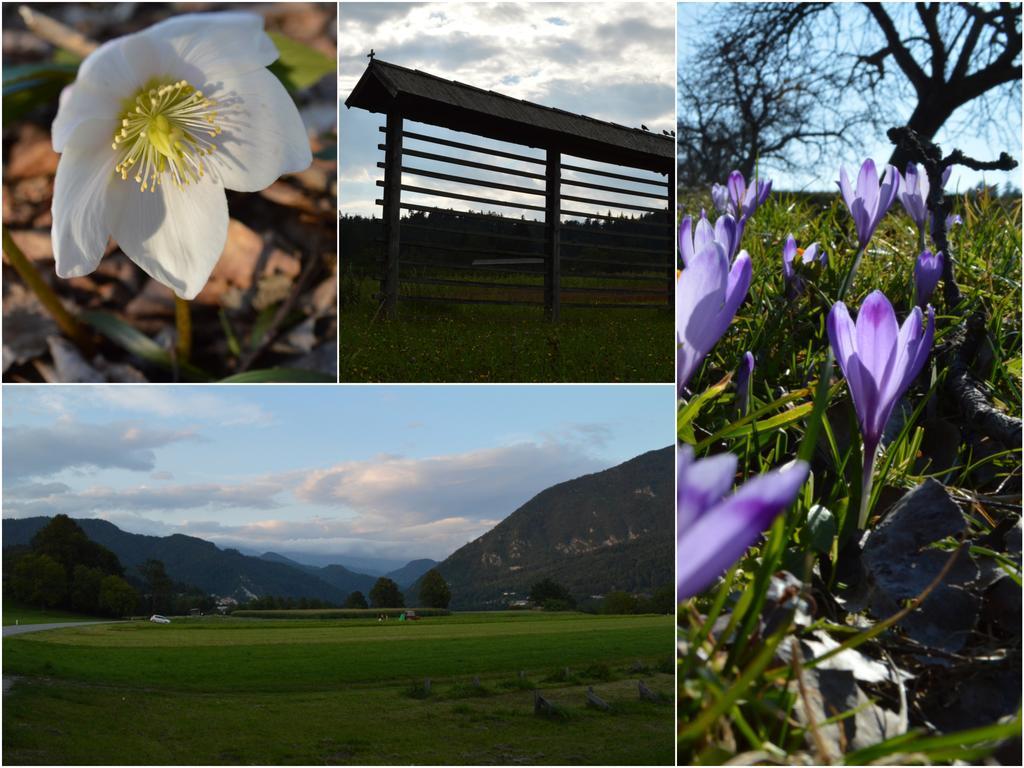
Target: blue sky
{"x":959,"y":131}
{"x":392,"y":472}
{"x":611,"y":61}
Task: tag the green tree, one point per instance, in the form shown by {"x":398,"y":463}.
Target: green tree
{"x":434,"y":590}
{"x":385,"y":594}
{"x":548,"y":590}
{"x":117,"y":596}
{"x":85,"y":588}
{"x":619,"y":602}
{"x":64,"y":541}
{"x":356,"y":600}
{"x":664,"y":600}
{"x":40,"y":580}
{"x":158,"y":585}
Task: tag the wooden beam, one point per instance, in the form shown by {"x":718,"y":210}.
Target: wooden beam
{"x":671,"y":202}
{"x":552,"y":234}
{"x":392,"y":211}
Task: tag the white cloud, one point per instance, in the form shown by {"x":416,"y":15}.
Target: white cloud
{"x":32,"y":452}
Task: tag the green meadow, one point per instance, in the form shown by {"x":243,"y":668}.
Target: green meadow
{"x":20,"y":614}
{"x":473,"y":343}
{"x":227,"y":690}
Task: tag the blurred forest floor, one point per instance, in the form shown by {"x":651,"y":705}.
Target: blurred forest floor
{"x":271,"y":300}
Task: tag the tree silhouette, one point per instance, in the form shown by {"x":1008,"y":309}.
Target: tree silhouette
{"x":434,"y":590}
{"x":790,"y":81}
{"x":385,"y":594}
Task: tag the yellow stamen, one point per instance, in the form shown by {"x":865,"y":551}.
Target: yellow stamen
{"x":166,"y":129}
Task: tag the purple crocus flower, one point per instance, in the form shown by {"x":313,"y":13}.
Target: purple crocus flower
{"x":708,"y":293}
{"x":742,"y":379}
{"x":693,"y":238}
{"x":927,"y":271}
{"x":744,"y":200}
{"x":879,"y":361}
{"x":714,"y":529}
{"x":952,"y":220}
{"x":869,"y":201}
{"x":914,"y":190}
{"x":794,"y":282}
{"x":720,"y":197}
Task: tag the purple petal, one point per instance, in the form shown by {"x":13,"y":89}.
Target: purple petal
{"x":700,"y":294}
{"x":867,"y":186}
{"x":686,"y":240}
{"x":721,"y":536}
{"x":703,"y":234}
{"x":737,"y":187}
{"x":845,"y":189}
{"x":877,"y":330}
{"x":702,"y":485}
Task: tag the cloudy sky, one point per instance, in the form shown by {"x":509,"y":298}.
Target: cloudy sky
{"x":960,"y":131}
{"x":612,"y":61}
{"x":377,"y":472}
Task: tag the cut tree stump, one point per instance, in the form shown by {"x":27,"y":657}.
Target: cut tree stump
{"x":646,"y":693}
{"x":595,"y":701}
{"x":542,"y":706}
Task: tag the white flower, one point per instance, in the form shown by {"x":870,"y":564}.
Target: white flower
{"x":155,"y":127}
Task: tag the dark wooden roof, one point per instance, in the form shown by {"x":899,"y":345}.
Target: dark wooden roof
{"x":430,"y":99}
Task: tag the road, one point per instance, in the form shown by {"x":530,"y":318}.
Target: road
{"x":20,"y":629}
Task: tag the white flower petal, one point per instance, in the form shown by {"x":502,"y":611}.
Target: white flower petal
{"x":218,"y":44}
{"x":104,"y":79}
{"x":84,"y":173}
{"x":263,"y":136}
{"x":174,"y":235}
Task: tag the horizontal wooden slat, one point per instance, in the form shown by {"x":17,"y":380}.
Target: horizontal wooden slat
{"x":475,"y":182}
{"x":470,"y":147}
{"x":469,"y":250}
{"x":470,"y":214}
{"x":585,"y":215}
{"x":611,"y":175}
{"x":470,"y":198}
{"x":611,"y":204}
{"x":611,"y":262}
{"x":618,"y":190}
{"x":466,"y":163}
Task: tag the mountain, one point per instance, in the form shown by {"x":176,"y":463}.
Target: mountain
{"x":407,"y":575}
{"x":224,"y":572}
{"x":336,"y":575}
{"x":610,"y":530}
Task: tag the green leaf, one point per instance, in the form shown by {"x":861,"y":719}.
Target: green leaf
{"x":30,"y":85}
{"x":279,"y":376}
{"x":821,"y":529}
{"x":299,"y":66}
{"x":690,"y":411}
{"x":137,"y":343}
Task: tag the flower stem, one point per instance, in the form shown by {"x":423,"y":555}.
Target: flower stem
{"x":866,"y":482}
{"x":183,"y":320}
{"x":65,"y":320}
{"x":848,"y":280}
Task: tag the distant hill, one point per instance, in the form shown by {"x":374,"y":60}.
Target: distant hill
{"x":610,"y":530}
{"x":407,"y":575}
{"x":349,"y":580}
{"x":224,"y":572}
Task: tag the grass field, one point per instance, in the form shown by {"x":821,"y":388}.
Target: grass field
{"x":223,"y":690}
{"x":21,"y":614}
{"x":731,"y":706}
{"x":466,"y":343}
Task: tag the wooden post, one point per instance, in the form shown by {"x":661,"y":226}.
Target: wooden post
{"x":392,"y":211}
{"x":674,"y":241}
{"x":552,"y":233}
